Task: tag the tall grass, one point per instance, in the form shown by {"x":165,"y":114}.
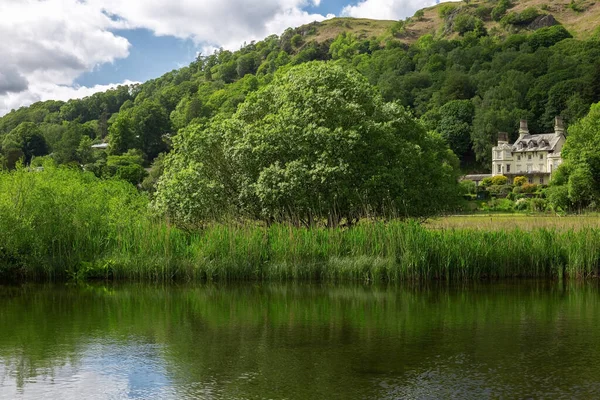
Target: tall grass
{"x":61,"y":224}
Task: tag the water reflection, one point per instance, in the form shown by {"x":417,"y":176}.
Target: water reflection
{"x":524,"y":339}
{"x":108,"y":370}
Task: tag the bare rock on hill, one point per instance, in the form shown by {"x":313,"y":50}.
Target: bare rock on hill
{"x":543,"y":21}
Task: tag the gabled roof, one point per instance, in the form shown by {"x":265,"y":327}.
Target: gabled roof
{"x":545,"y":142}
{"x":504,"y":146}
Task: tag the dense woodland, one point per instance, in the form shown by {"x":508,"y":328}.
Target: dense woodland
{"x":439,"y":91}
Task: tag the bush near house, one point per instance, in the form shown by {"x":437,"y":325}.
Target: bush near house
{"x":501,"y":205}
{"x":468,"y":187}
{"x":529,"y":188}
{"x":500,"y":190}
{"x":499,"y":180}
{"x":520,"y":181}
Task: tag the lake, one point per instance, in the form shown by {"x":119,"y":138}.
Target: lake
{"x":525,"y":339}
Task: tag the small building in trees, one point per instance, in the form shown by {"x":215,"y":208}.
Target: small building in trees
{"x":477,"y":178}
{"x":533,"y":156}
{"x":100,"y":146}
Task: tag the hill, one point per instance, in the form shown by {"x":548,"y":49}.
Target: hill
{"x":466,"y":71}
{"x":580,"y":17}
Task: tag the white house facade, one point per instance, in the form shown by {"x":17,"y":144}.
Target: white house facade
{"x":533,"y":156}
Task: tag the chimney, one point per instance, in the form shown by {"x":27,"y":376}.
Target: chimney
{"x":502,"y":138}
{"x":559,"y":126}
{"x":523,"y":129}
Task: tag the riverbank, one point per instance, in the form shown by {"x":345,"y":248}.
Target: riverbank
{"x":370,"y":252}
{"x":63,"y":225}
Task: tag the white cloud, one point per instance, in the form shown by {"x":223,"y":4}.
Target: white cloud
{"x":226,"y":23}
{"x":47,"y":44}
{"x":386,"y":9}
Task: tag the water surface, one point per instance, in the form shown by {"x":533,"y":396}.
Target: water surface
{"x":300,"y":341}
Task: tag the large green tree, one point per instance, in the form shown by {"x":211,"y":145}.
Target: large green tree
{"x":580,"y":172}
{"x":27,"y":139}
{"x":318,"y":144}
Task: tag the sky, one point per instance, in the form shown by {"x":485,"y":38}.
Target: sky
{"x":64,"y":49}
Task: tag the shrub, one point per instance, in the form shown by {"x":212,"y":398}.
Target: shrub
{"x":558,"y":197}
{"x":500,"y":190}
{"x":296,"y":40}
{"x":499,"y":180}
{"x":419,"y":14}
{"x":578,"y":6}
{"x":486,"y":182}
{"x":529,"y":188}
{"x":538,"y":205}
{"x":504,"y":205}
{"x":483,"y":12}
{"x":546,"y":37}
{"x":445,"y":10}
{"x":398,"y":28}
{"x":581,"y":186}
{"x":464,"y":23}
{"x":468,"y":187}
{"x":528,"y":15}
{"x":132,"y":173}
{"x":500,"y":10}
{"x":523,"y":18}
{"x":521,"y":205}
{"x":64,"y":217}
{"x":520,"y":181}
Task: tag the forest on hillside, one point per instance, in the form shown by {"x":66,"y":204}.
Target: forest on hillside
{"x":463,"y":90}
{"x":468,"y":89}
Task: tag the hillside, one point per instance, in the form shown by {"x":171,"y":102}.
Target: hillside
{"x":478,"y":69}
{"x":580,"y":17}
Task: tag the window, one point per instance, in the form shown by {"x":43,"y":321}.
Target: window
{"x":541,"y":180}
{"x":499,"y":168}
{"x":529,"y":156}
{"x":498,"y":154}
{"x":507,"y":167}
{"x":518,"y":158}
{"x":541,"y":156}
{"x":541,"y":167}
{"x":519,"y":168}
{"x":530,"y":179}
{"x":529,"y":168}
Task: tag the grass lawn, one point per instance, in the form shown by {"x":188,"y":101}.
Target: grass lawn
{"x":514,"y":221}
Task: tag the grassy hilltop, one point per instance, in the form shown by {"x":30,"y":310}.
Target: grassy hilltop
{"x":578,"y":17}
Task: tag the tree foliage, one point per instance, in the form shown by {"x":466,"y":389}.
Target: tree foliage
{"x":318,"y":144}
{"x":580,"y":172}
{"x":26,"y":140}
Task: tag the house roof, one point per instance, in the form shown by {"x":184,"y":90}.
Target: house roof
{"x":476,"y":177}
{"x":545,"y":142}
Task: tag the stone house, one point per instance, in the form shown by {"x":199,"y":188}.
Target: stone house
{"x":533,"y":156}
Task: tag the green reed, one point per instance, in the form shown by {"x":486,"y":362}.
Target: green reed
{"x":60,"y":224}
